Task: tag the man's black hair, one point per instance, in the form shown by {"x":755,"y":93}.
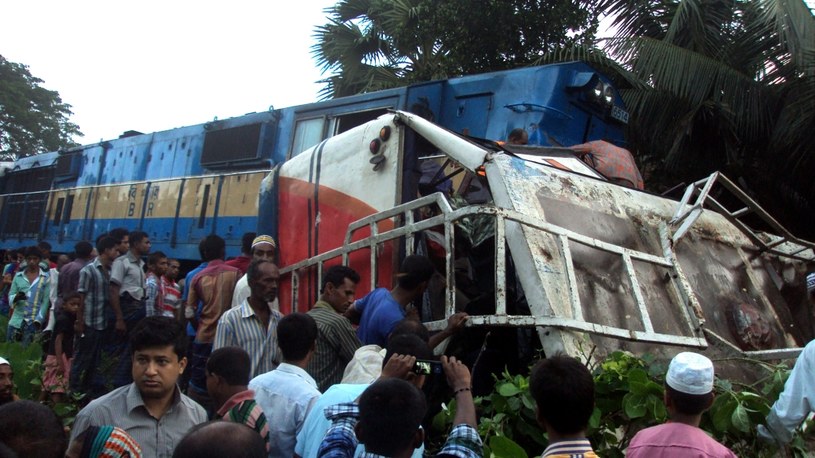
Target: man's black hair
{"x":410,"y":326}
{"x":83,"y":249}
{"x":688,"y":404}
{"x":390,"y":412}
{"x":296,"y":334}
{"x":336,"y":275}
{"x":202,"y":249}
{"x":71,"y":295}
{"x":32,"y":430}
{"x":221,"y":438}
{"x":155,"y":257}
{"x":564,"y":392}
{"x":119,"y":234}
{"x":415,"y":270}
{"x":517,"y":134}
{"x":253,"y":271}
{"x":44,"y":246}
{"x":105,"y":243}
{"x":232,"y":364}
{"x":135,"y":237}
{"x":213,"y":248}
{"x":159,"y":331}
{"x":246,"y":242}
{"x":33,"y":251}
{"x":407,"y":344}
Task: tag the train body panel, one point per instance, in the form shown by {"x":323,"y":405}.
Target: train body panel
{"x":180,"y":184}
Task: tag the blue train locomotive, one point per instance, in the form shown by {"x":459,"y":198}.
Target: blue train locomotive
{"x":182,"y":184}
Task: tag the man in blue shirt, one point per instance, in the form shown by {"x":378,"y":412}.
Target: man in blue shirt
{"x":184,"y":380}
{"x":379,"y":311}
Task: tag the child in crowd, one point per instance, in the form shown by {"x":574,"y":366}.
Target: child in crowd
{"x":57,"y":368}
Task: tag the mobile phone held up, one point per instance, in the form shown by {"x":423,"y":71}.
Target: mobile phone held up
{"x":427,"y":367}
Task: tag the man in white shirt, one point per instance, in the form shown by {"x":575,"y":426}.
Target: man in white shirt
{"x":287,"y":393}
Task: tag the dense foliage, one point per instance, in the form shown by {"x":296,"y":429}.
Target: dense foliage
{"x":376,"y":44}
{"x":718,"y":85}
{"x":32,"y":119}
{"x":629,"y":397}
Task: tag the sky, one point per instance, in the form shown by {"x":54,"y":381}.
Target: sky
{"x":152,"y":66}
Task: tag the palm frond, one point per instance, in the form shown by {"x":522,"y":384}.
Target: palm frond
{"x":696,"y":78}
{"x":646,"y":18}
{"x":621,"y":76}
{"x":795,"y":26}
{"x":349,"y":10}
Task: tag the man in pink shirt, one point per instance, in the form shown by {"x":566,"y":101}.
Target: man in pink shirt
{"x":688,"y":393}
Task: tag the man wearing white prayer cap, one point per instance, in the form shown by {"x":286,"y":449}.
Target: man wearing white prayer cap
{"x":688,"y":393}
{"x":263,"y":247}
{"x":6,"y":382}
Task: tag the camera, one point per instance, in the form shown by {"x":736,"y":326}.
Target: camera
{"x":426,"y":367}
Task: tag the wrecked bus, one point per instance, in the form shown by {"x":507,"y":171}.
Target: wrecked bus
{"x":538,"y":247}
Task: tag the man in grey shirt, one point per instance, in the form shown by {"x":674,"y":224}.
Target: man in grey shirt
{"x":152,"y":408}
{"x":127,"y":301}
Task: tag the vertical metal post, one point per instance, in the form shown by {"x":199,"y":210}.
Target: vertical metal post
{"x":500,"y":266}
{"x":449,"y":259}
{"x":409,"y":236}
{"x":635,"y":289}
{"x":374,"y":233}
{"x":295,"y":286}
{"x":571,"y":279}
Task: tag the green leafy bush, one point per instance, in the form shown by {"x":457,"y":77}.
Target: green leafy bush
{"x":27,"y":365}
{"x":628,"y":397}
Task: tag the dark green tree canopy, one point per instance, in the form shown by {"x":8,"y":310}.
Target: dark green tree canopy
{"x":32,"y":119}
{"x":723,"y":85}
{"x":370,"y":45}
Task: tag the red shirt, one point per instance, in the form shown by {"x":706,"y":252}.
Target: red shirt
{"x":241,"y":263}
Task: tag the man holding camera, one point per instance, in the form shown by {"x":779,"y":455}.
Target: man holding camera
{"x":387,"y":418}
{"x":400,"y":346}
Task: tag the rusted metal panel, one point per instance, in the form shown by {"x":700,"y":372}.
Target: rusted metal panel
{"x":627,"y":272}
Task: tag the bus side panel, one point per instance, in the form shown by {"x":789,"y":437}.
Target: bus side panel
{"x":297,"y":242}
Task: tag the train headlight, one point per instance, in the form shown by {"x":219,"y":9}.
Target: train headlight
{"x":597,"y":92}
{"x":608,"y":95}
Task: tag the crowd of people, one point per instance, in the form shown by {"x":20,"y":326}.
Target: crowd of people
{"x":206,"y":365}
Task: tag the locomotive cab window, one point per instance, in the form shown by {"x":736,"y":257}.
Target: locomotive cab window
{"x":307,"y":133}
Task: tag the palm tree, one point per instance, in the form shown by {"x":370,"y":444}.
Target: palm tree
{"x":719,"y":84}
{"x":376,"y":44}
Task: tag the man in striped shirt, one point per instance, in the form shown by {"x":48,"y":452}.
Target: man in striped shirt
{"x":92,"y":319}
{"x":227,"y":384}
{"x":253,"y":325}
{"x":337,"y":340}
{"x":154,"y":288}
{"x":172,"y":292}
{"x":564,"y":393}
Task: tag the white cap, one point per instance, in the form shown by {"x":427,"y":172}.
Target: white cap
{"x":690,"y":373}
{"x":4,"y":361}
